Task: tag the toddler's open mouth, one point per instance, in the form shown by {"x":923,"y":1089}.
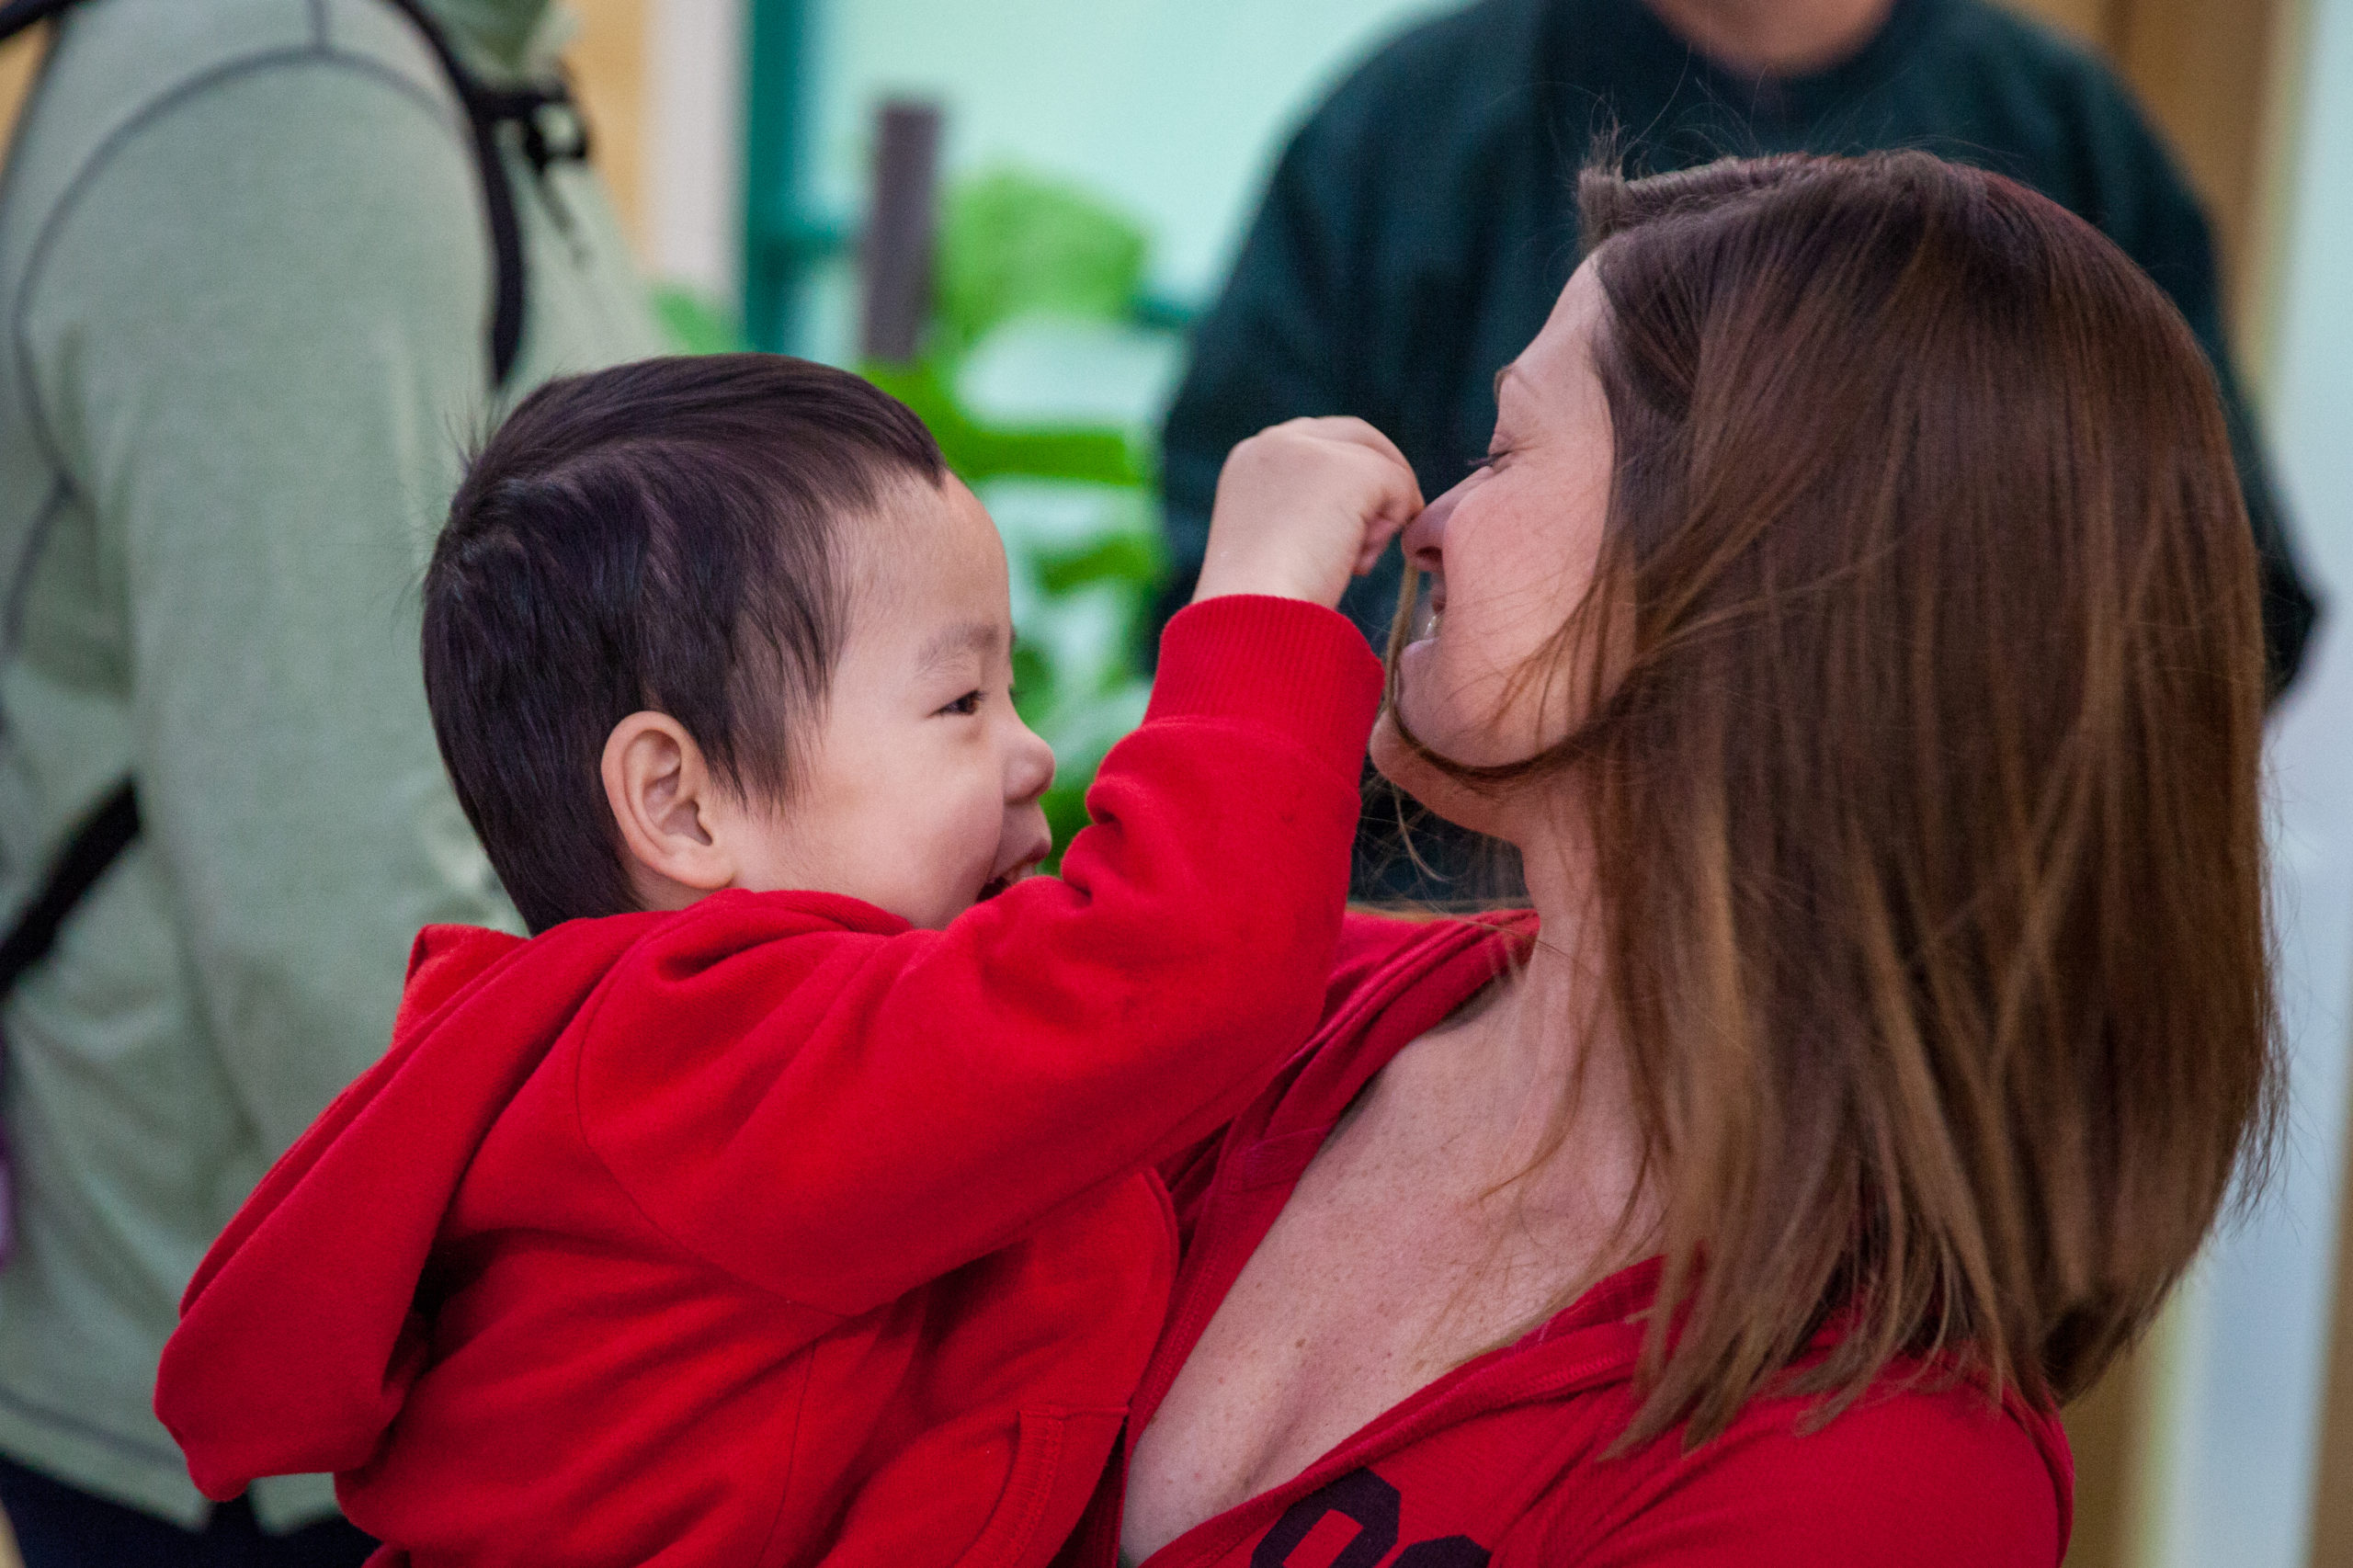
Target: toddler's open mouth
{"x":1005,"y":880}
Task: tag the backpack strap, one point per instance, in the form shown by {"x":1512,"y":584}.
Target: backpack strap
{"x":487,"y":109}
{"x":113,"y":824}
{"x":100,"y":840}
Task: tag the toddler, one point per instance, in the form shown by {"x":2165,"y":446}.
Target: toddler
{"x":787,"y":1196}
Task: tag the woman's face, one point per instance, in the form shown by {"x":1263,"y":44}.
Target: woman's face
{"x":1508,"y":554}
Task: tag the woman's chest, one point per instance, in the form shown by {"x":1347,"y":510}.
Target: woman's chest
{"x":1372,"y":1282}
{"x":1326,"y":1417}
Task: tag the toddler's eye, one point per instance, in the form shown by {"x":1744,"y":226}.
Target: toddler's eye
{"x":966,"y":705}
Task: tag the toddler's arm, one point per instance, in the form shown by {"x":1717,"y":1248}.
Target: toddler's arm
{"x":877,"y":1110}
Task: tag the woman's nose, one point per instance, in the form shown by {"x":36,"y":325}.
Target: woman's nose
{"x":1423,"y":540}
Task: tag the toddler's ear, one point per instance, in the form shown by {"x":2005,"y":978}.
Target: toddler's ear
{"x":661,"y":794}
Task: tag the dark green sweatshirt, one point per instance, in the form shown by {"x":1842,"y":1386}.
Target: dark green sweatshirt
{"x":1422,"y":223}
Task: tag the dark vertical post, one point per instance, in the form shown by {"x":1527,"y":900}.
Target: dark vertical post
{"x":777,"y":236}
{"x":902,"y":224}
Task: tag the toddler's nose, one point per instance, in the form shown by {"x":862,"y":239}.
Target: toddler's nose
{"x":1032,"y":769}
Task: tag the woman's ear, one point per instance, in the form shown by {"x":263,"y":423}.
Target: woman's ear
{"x":663,"y":795}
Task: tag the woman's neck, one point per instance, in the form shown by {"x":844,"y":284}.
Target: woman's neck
{"x":1549,"y":1026}
{"x":1533,"y":1079}
{"x":1774,"y":38}
{"x":1559,"y":1046}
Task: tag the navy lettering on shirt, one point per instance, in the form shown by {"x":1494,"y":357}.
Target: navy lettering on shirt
{"x":1373,"y":1506}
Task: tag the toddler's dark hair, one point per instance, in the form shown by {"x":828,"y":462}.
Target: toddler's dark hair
{"x":662,"y":535}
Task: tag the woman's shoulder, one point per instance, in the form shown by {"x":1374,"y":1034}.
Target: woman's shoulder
{"x":1922,"y":1475}
{"x":1393,"y":977}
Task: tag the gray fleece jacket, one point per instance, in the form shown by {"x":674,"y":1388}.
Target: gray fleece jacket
{"x":246,"y":274}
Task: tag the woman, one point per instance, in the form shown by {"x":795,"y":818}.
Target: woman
{"x":1854,"y":628}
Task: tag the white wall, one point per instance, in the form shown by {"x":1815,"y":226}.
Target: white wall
{"x":694,"y":157}
{"x":1172,"y":108}
{"x":2236,"y":1477}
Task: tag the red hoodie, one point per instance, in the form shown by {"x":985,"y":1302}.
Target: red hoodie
{"x":775,"y":1232}
{"x":1505,"y":1461}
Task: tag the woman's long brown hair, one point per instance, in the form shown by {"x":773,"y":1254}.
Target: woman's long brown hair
{"x":1922,"y":778}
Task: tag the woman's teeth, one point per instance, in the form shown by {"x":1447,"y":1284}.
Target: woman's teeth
{"x":1427,"y":621}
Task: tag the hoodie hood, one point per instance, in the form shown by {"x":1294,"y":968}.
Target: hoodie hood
{"x":301,"y":1333}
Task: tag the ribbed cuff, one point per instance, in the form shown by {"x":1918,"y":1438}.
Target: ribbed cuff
{"x":1288,"y":664}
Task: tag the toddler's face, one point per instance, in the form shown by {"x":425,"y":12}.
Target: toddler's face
{"x":919,"y":790}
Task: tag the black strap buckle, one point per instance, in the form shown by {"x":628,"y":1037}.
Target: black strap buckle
{"x":534,"y":111}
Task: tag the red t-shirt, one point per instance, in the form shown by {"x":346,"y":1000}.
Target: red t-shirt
{"x":1505,"y":1461}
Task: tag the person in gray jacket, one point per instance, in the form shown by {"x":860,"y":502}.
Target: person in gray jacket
{"x":252,"y":310}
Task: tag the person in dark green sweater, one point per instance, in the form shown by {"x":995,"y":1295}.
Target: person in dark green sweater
{"x":1423,"y":220}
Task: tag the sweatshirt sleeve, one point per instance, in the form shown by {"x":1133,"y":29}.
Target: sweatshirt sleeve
{"x":840,"y":1129}
{"x":263,"y":400}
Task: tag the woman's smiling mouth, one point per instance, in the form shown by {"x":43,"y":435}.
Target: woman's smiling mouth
{"x":1430,"y":612}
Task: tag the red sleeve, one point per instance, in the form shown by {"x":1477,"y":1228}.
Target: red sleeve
{"x":1908,"y":1480}
{"x":850,"y":1115}
{"x":1369,"y":939}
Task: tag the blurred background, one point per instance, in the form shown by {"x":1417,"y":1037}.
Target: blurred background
{"x":1011,"y":213}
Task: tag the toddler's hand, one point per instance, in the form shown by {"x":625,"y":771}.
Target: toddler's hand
{"x":1304,"y":505}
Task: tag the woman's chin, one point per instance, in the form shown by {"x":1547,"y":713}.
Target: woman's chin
{"x":1390,"y":755}
{"x":1428,"y":785}
{"x":1415,"y":656}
